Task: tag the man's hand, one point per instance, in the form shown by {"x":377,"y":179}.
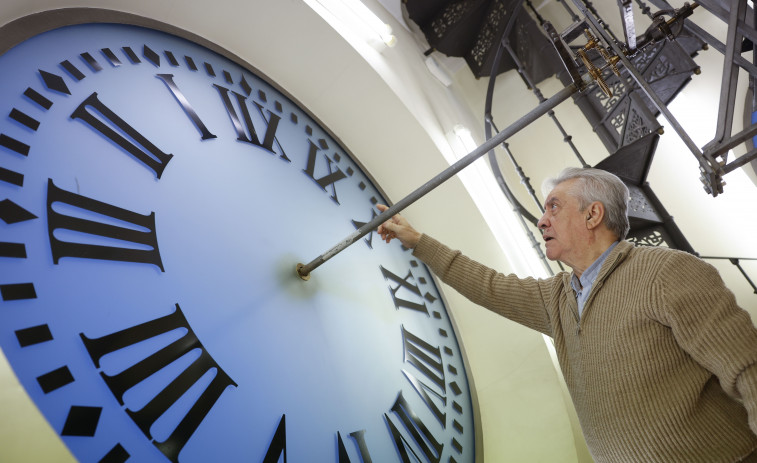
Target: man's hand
{"x":398,"y":227}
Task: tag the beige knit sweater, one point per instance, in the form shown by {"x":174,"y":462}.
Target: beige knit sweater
{"x":658,"y":365}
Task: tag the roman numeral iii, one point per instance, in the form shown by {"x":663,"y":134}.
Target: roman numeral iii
{"x":133,"y":229}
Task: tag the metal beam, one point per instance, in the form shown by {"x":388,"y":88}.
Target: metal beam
{"x":723,"y":14}
{"x":729,"y":82}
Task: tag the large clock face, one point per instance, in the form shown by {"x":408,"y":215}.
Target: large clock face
{"x":156,"y":198}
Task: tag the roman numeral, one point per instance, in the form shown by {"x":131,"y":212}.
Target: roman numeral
{"x":246,"y":132}
{"x":137,"y":229}
{"x":412,"y":289}
{"x":357,"y":224}
{"x":146,"y":153}
{"x":428,"y":360}
{"x":359,"y":437}
{"x":419,"y":435}
{"x":142,"y":370}
{"x":185,"y":105}
{"x":278,"y":443}
{"x":327,"y":180}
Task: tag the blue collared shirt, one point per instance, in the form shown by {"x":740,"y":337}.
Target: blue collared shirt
{"x":582,"y":286}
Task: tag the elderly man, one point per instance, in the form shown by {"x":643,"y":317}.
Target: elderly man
{"x":660,"y":361}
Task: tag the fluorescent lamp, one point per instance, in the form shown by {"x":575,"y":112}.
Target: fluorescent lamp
{"x":495,"y":209}
{"x":465,"y":139}
{"x":357,"y":19}
{"x":379,"y":27}
{"x":437,"y":71}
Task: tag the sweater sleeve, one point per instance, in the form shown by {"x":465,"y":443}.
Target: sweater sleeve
{"x":710,"y":326}
{"x":520,"y":300}
{"x":747,"y":387}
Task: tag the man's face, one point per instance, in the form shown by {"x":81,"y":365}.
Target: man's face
{"x":563,"y":225}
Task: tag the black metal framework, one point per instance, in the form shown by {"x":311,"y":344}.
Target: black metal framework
{"x":654,"y":71}
{"x":736,"y":13}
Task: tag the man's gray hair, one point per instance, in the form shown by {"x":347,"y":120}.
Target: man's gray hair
{"x":602,"y":186}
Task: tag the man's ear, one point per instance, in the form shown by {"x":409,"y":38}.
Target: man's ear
{"x":595,"y":214}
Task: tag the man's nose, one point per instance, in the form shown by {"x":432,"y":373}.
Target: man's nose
{"x":542,"y":223}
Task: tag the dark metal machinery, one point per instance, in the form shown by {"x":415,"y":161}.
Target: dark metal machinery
{"x":635,"y":77}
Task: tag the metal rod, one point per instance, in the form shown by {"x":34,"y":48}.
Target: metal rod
{"x":735,"y":261}
{"x":566,"y":137}
{"x":520,"y":211}
{"x":740,"y":161}
{"x":590,"y":6}
{"x":304,"y":270}
{"x":710,"y":40}
{"x":573,"y":16}
{"x":733,"y":141}
{"x":629,"y":28}
{"x":489,"y":125}
{"x":722,"y":11}
{"x":729,"y":81}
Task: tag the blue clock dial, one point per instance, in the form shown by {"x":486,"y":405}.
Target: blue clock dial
{"x":155,"y":198}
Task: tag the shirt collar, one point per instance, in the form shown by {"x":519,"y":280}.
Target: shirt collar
{"x":590,"y":274}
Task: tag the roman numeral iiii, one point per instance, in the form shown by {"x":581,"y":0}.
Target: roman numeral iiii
{"x":141,"y":371}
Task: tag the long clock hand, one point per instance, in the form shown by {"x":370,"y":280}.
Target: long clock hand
{"x":304,"y":270}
